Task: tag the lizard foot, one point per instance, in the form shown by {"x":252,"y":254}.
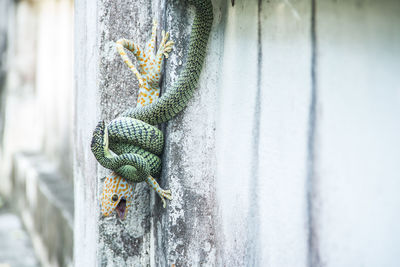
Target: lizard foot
{"x":166,"y":46}
{"x":165,"y":194}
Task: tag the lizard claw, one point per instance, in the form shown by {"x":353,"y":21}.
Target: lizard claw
{"x":166,"y":47}
{"x":165,"y":194}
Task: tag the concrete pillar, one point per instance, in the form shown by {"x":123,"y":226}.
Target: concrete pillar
{"x":122,"y":243}
{"x":104,"y":88}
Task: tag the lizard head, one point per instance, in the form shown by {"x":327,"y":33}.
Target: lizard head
{"x":117,"y":195}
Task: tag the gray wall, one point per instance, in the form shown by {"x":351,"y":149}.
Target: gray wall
{"x":287,"y":154}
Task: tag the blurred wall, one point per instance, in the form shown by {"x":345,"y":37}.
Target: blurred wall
{"x":54,"y":81}
{"x":36,"y":122}
{"x":19,"y":112}
{"x":38,"y":107}
{"x":287,"y":155}
{"x":5,"y":26}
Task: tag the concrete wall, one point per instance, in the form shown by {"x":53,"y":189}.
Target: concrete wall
{"x":286,"y":155}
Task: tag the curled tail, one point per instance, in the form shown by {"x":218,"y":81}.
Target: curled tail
{"x":176,"y":98}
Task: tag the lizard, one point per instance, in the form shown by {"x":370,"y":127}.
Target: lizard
{"x":136,"y":142}
{"x":117,"y":193}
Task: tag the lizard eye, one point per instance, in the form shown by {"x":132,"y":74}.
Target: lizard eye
{"x":114,"y":197}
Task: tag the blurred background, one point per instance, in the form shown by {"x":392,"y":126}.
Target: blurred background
{"x":288,"y":154}
{"x":36,"y":115}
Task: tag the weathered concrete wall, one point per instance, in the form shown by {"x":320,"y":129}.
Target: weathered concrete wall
{"x":186,"y":233}
{"x":251,"y":160}
{"x":125,"y":243}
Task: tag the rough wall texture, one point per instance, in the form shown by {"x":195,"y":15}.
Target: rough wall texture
{"x":123,"y":242}
{"x":186,"y":232}
{"x":250,"y":160}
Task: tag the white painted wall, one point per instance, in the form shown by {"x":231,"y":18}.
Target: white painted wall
{"x":283,"y":133}
{"x":358,"y":129}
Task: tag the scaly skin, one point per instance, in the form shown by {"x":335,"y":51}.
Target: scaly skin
{"x":114,"y":185}
{"x":133,"y":137}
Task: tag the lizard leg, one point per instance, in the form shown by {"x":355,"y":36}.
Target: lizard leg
{"x":152,"y":68}
{"x":130,"y":45}
{"x":165,"y":46}
{"x":164,"y":194}
{"x":163,"y":50}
